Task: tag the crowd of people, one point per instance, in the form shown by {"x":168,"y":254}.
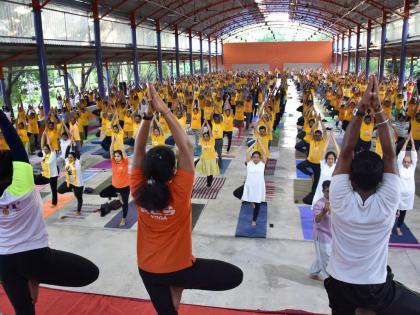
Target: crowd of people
{"x":196,"y":117}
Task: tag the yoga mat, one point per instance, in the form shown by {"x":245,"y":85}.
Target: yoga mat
{"x":237,"y":141}
{"x":407,"y":240}
{"x":44,"y":194}
{"x":300,"y":189}
{"x":306,"y":222}
{"x":299,"y":174}
{"x":200,"y":190}
{"x":225,"y":165}
{"x":130,"y":220}
{"x":71,"y":302}
{"x":100,"y":152}
{"x":270,"y":167}
{"x":87,"y":175}
{"x":270,"y":190}
{"x":101,"y":186}
{"x":197,"y":208}
{"x":244,"y":227}
{"x":63,"y":200}
{"x":96,"y":141}
{"x":103,"y":165}
{"x":87,"y":148}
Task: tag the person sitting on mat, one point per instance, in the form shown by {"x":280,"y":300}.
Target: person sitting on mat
{"x":322,"y":234}
{"x":26,"y":260}
{"x":254,"y":187}
{"x":162,"y":188}
{"x":119,"y":160}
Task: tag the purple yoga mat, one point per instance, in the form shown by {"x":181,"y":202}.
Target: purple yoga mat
{"x":105,"y":164}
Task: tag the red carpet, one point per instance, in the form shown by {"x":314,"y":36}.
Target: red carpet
{"x":54,"y":302}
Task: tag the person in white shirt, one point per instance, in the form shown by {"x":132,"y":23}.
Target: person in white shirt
{"x":74,"y":179}
{"x":26,"y":260}
{"x":364,"y":196}
{"x":407,"y":162}
{"x":49,"y":173}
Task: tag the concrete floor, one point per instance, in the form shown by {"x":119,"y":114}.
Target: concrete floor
{"x":275,"y":268}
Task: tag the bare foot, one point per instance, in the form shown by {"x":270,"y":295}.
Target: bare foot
{"x":399,"y":232}
{"x":34,"y":290}
{"x":254,"y":223}
{"x":78,"y":213}
{"x":176,"y":294}
{"x":122,"y":222}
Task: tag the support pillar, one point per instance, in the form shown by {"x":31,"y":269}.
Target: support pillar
{"x":66,"y":81}
{"x":357,"y":70}
{"x":108,"y":82}
{"x":134,"y":50}
{"x":201,"y":55}
{"x":333,"y":54}
{"x":98,"y":49}
{"x":222,"y":55}
{"x":411,"y":67}
{"x":177,"y":51}
{"x":190,"y":53}
{"x":368,"y":38}
{"x":382,"y":49}
{"x":3,"y":87}
{"x":336,"y":52}
{"x":404,"y":37}
{"x":342,"y":54}
{"x":40,"y":49}
{"x":348,"y":52}
{"x":209,"y":54}
{"x":159,"y":52}
{"x":183,"y":62}
{"x":217,"y":57}
{"x":171,"y":66}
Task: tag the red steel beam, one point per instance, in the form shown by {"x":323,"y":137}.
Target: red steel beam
{"x":113,"y":8}
{"x":16,"y":56}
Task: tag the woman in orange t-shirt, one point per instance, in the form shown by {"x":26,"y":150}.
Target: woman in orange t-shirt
{"x":162,"y":194}
{"x":119,"y":178}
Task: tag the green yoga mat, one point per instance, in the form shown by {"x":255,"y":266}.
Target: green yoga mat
{"x":300,"y":189}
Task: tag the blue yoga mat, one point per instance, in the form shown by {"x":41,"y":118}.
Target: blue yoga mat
{"x":88,"y":175}
{"x":96,"y":141}
{"x":406,"y":238}
{"x":87,"y":148}
{"x":299,"y":174}
{"x":225,"y":165}
{"x":306,"y":222}
{"x":244,"y":227}
{"x":100,"y":152}
{"x":130,"y":220}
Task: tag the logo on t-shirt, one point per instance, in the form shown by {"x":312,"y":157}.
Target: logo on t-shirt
{"x":160,"y":215}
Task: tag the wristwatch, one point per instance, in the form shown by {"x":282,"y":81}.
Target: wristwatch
{"x":358,"y":112}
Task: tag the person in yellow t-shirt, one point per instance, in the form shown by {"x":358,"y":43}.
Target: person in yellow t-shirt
{"x":248,"y":111}
{"x":118,"y":134}
{"x":238,"y":120}
{"x":207,"y":164}
{"x":157,"y":136}
{"x":217,"y":127}
{"x":23,"y":135}
{"x":312,"y":165}
{"x":263,"y":137}
{"x":196,"y":125}
{"x":128,"y":124}
{"x":84,"y":121}
{"x":228,"y":127}
{"x":415,"y":129}
{"x":366,"y":133}
{"x":53,"y":135}
{"x":75,"y":133}
{"x":33,"y":129}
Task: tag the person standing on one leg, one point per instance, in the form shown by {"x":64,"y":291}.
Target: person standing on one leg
{"x":317,"y":144}
{"x":217,"y":128}
{"x":407,"y":163}
{"x":228,"y":127}
{"x":26,"y":260}
{"x":254,"y":187}
{"x":322,"y":234}
{"x":49,"y":173}
{"x":74,"y":179}
{"x":162,"y":190}
{"x":362,"y":217}
{"x":119,"y":160}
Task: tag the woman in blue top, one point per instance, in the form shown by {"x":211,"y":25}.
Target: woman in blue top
{"x":25,"y":257}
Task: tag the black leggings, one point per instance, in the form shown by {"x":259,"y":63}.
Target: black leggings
{"x":204,"y":274}
{"x":316,"y":171}
{"x":111,"y":191}
{"x":85,"y":132}
{"x":47,"y":266}
{"x":238,"y":192}
{"x":228,"y":134}
{"x":41,"y":180}
{"x":77,"y":191}
{"x":209,"y":180}
{"x":401,"y":218}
